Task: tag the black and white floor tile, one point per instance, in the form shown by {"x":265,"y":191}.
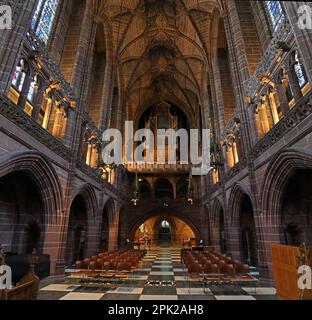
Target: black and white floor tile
{"x":160,"y":277}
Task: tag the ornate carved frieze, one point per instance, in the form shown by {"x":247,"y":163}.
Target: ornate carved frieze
{"x":91,"y":125}
{"x":91,"y":172}
{"x":289,"y":122}
{"x":17,"y":116}
{"x":269,"y":58}
{"x":95,"y":174}
{"x":238,"y":167}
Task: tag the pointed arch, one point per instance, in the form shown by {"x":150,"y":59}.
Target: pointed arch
{"x":282,"y":167}
{"x":88,"y":194}
{"x":41,"y":171}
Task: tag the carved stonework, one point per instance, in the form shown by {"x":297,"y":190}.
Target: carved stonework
{"x":91,"y":172}
{"x":268,"y":60}
{"x":241,"y":165}
{"x":289,"y":122}
{"x":17,"y":116}
{"x":52,"y":69}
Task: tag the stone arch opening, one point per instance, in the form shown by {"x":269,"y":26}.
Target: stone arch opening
{"x":77,"y":231}
{"x":164,"y":189}
{"x":296,"y":209}
{"x":42,"y":174}
{"x":145,"y":189}
{"x":247,"y":228}
{"x":222,"y":236}
{"x":164,"y":230}
{"x":285,"y":165}
{"x":22,"y":213}
{"x":218,"y":227}
{"x":182,"y":189}
{"x":108,"y":212}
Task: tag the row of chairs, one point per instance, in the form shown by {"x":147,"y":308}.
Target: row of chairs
{"x":112,"y":261}
{"x":212,"y":263}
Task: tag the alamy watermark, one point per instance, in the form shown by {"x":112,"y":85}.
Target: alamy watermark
{"x":5,"y":277}
{"x":305,"y":17}
{"x":140,"y":147}
{"x":305,"y":277}
{"x":5,"y":17}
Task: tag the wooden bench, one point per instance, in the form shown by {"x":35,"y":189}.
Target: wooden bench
{"x":28,"y":287}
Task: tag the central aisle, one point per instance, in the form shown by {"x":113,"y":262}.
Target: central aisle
{"x":159,"y":277}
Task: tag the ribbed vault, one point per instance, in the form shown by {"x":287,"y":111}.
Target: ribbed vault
{"x":162,"y":47}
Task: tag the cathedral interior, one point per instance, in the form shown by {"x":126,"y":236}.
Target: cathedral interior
{"x":69,"y":70}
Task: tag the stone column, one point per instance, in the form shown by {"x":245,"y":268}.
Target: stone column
{"x":241,"y":76}
{"x":219,"y":106}
{"x":93,"y":237}
{"x":81,"y":75}
{"x":107,"y":95}
{"x":11,"y":41}
{"x":53,"y":246}
{"x":23,"y":95}
{"x":281,"y":93}
{"x":114,"y":228}
{"x":39,"y":100}
{"x":206,"y":105}
{"x":303,"y":36}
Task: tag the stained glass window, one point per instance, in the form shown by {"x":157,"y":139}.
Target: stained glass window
{"x":32,"y":89}
{"x":43,"y":18}
{"x":276,"y":12}
{"x":302,"y":80}
{"x":19,"y":76}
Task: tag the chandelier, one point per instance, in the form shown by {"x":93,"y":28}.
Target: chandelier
{"x":190,"y":189}
{"x":136,"y":192}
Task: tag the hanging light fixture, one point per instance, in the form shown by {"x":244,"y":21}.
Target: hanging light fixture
{"x":190,"y":198}
{"x":136,"y":192}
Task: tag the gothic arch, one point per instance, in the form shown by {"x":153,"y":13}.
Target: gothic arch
{"x":216,"y":207}
{"x":110,"y":209}
{"x":38,"y":168}
{"x":88,"y":194}
{"x":282,"y":167}
{"x":166,"y":181}
{"x":236,"y":195}
{"x":170,"y":213}
{"x":218,"y":225}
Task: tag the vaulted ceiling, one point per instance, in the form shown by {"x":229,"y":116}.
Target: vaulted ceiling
{"x":162,"y":47}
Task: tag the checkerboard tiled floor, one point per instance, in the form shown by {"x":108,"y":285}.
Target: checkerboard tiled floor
{"x":162,"y":264}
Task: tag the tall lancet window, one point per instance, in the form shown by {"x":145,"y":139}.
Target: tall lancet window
{"x":276,"y":13}
{"x":300,"y":73}
{"x":42,"y":21}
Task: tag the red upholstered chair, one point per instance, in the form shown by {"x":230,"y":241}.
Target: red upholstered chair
{"x":99,"y":264}
{"x":79,"y":265}
{"x":92,"y":265}
{"x":242,"y":268}
{"x":86,"y":262}
{"x":195,"y":268}
{"x":207,"y":268}
{"x":214,"y":269}
{"x":230,"y":269}
{"x":222,"y":267}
